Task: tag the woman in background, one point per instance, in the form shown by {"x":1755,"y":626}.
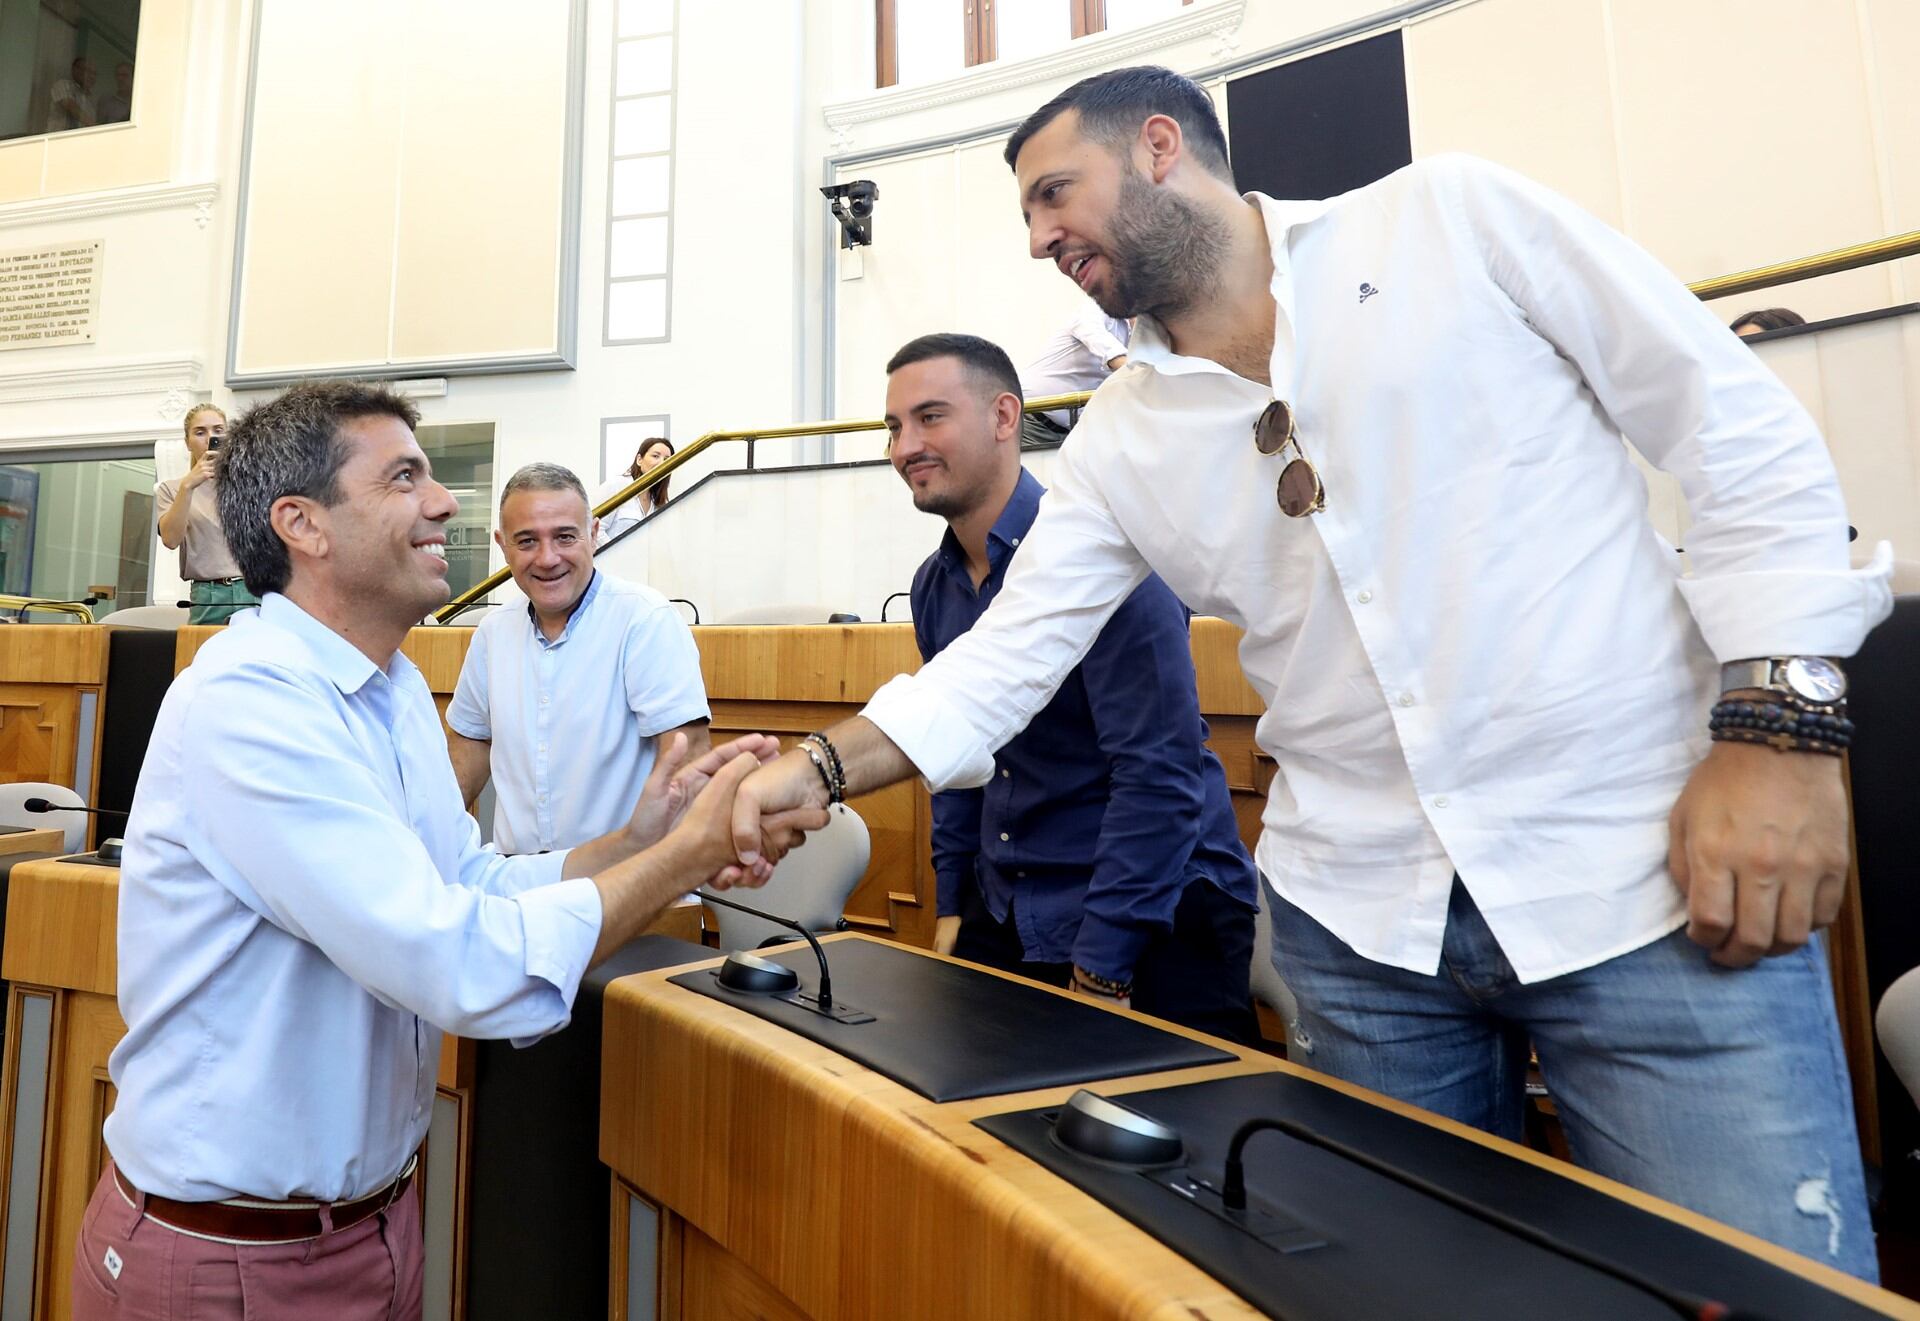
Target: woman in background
{"x":653,"y":452}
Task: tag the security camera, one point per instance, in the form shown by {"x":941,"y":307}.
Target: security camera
{"x":853,"y":208}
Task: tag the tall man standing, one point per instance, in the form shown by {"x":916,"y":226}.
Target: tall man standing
{"x":305,"y":905}
{"x":567,"y":703}
{"x":1383,"y":434}
{"x":1102,"y":854}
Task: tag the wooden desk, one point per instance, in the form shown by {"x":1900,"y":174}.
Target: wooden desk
{"x":739,"y":1137}
{"x":32,"y":841}
{"x":52,"y":677}
{"x":63,"y":1020}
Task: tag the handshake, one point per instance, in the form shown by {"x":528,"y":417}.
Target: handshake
{"x":710,"y":813}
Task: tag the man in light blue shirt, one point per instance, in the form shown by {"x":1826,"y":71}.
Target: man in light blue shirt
{"x":567,"y":702}
{"x":305,"y":906}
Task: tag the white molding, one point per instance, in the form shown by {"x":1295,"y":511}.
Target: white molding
{"x":172,"y":376}
{"x":114,"y":202}
{"x":1106,"y":50}
{"x":41,"y":440}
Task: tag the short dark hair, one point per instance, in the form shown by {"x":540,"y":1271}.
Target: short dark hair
{"x":1114,"y":104}
{"x":290,"y":445}
{"x":1769,"y":318}
{"x":986,"y":361}
{"x":544,"y":477}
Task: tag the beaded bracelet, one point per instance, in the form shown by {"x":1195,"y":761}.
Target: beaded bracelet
{"x":1786,"y":727}
{"x":1102,"y":985}
{"x":836,"y":773}
{"x":826,"y":777}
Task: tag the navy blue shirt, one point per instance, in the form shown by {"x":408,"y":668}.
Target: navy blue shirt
{"x":1109,"y":804}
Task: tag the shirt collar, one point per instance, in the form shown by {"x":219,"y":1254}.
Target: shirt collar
{"x":579,"y":609}
{"x":1152,"y":345}
{"x":344,"y":664}
{"x":1023,"y":506}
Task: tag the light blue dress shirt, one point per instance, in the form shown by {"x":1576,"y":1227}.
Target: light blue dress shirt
{"x":304,"y":906}
{"x":573,"y":721}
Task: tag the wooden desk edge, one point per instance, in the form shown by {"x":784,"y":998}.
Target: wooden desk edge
{"x":788,"y":1051}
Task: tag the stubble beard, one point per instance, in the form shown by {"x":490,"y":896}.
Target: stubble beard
{"x":1166,"y":253}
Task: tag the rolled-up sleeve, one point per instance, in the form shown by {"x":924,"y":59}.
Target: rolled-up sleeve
{"x":1768,"y":541}
{"x":323,"y":855}
{"x":1074,"y":569}
{"x":468,"y":714}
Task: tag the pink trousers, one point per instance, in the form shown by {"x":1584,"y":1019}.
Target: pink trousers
{"x":127,"y":1267}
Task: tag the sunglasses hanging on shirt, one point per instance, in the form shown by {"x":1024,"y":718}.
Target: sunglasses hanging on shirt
{"x":1300,"y":490}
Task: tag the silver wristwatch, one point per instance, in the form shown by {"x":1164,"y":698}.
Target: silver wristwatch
{"x":1813,"y":679}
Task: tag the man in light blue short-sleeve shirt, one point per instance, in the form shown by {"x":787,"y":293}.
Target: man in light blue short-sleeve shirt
{"x":565,"y":701}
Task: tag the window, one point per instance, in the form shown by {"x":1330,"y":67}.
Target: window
{"x":66,"y":66}
{"x":920,"y":41}
{"x":640,"y":183}
{"x":68,"y":526}
{"x":462,"y":458}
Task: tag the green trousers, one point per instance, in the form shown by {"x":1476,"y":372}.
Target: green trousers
{"x":216,"y":603}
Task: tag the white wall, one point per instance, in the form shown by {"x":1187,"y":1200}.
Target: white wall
{"x":846,"y":539}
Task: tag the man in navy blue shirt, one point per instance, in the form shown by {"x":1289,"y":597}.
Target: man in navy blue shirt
{"x":1103,"y":855}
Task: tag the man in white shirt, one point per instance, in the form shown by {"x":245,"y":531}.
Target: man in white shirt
{"x":305,"y":905}
{"x":567,"y":701}
{"x":71,"y":102}
{"x":1084,"y":352}
{"x":1496,"y":815}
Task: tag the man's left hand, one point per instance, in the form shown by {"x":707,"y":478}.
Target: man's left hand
{"x":1759,"y":845}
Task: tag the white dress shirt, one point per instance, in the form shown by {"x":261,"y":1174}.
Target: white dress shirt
{"x":1480,"y":657}
{"x":573,"y":721}
{"x":304,"y":906}
{"x":626,"y":515}
{"x":1076,"y":357}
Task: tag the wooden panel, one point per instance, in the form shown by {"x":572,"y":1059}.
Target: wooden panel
{"x":439,"y":652}
{"x":755,"y":1136}
{"x":39,"y":732}
{"x":86,"y":1029}
{"x":32,"y":841}
{"x":61,"y":926}
{"x":715,"y":1285}
{"x":804,"y":663}
{"x":189,"y":640}
{"x":53,"y":653}
{"x":1224,"y":689}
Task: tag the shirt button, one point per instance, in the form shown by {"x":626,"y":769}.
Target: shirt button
{"x":543,"y":699}
{"x":1441,"y":801}
{"x":1006,"y":775}
{"x":1406,"y":699}
{"x":1016,"y":541}
{"x":1004,"y":837}
{"x":1364,"y":597}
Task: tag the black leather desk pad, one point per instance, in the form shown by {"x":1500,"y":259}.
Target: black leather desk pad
{"x":90,"y":860}
{"x":1395,"y":1253}
{"x":952,"y":1032}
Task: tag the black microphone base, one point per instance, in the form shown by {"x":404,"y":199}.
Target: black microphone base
{"x":1276,"y":1231}
{"x":838,"y":1012}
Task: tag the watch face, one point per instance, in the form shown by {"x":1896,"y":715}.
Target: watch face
{"x":1816,"y":678}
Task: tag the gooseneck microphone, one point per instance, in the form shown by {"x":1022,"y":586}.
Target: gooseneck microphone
{"x":42,"y":805}
{"x":825,"y":995}
{"x":1233,"y":1195}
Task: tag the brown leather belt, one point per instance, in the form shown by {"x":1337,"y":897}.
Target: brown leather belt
{"x":244,"y":1221}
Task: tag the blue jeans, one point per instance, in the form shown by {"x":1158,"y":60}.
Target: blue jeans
{"x":1723,"y":1091}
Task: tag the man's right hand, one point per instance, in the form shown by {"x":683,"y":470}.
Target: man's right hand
{"x":783,"y":789}
{"x":712,"y":826}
